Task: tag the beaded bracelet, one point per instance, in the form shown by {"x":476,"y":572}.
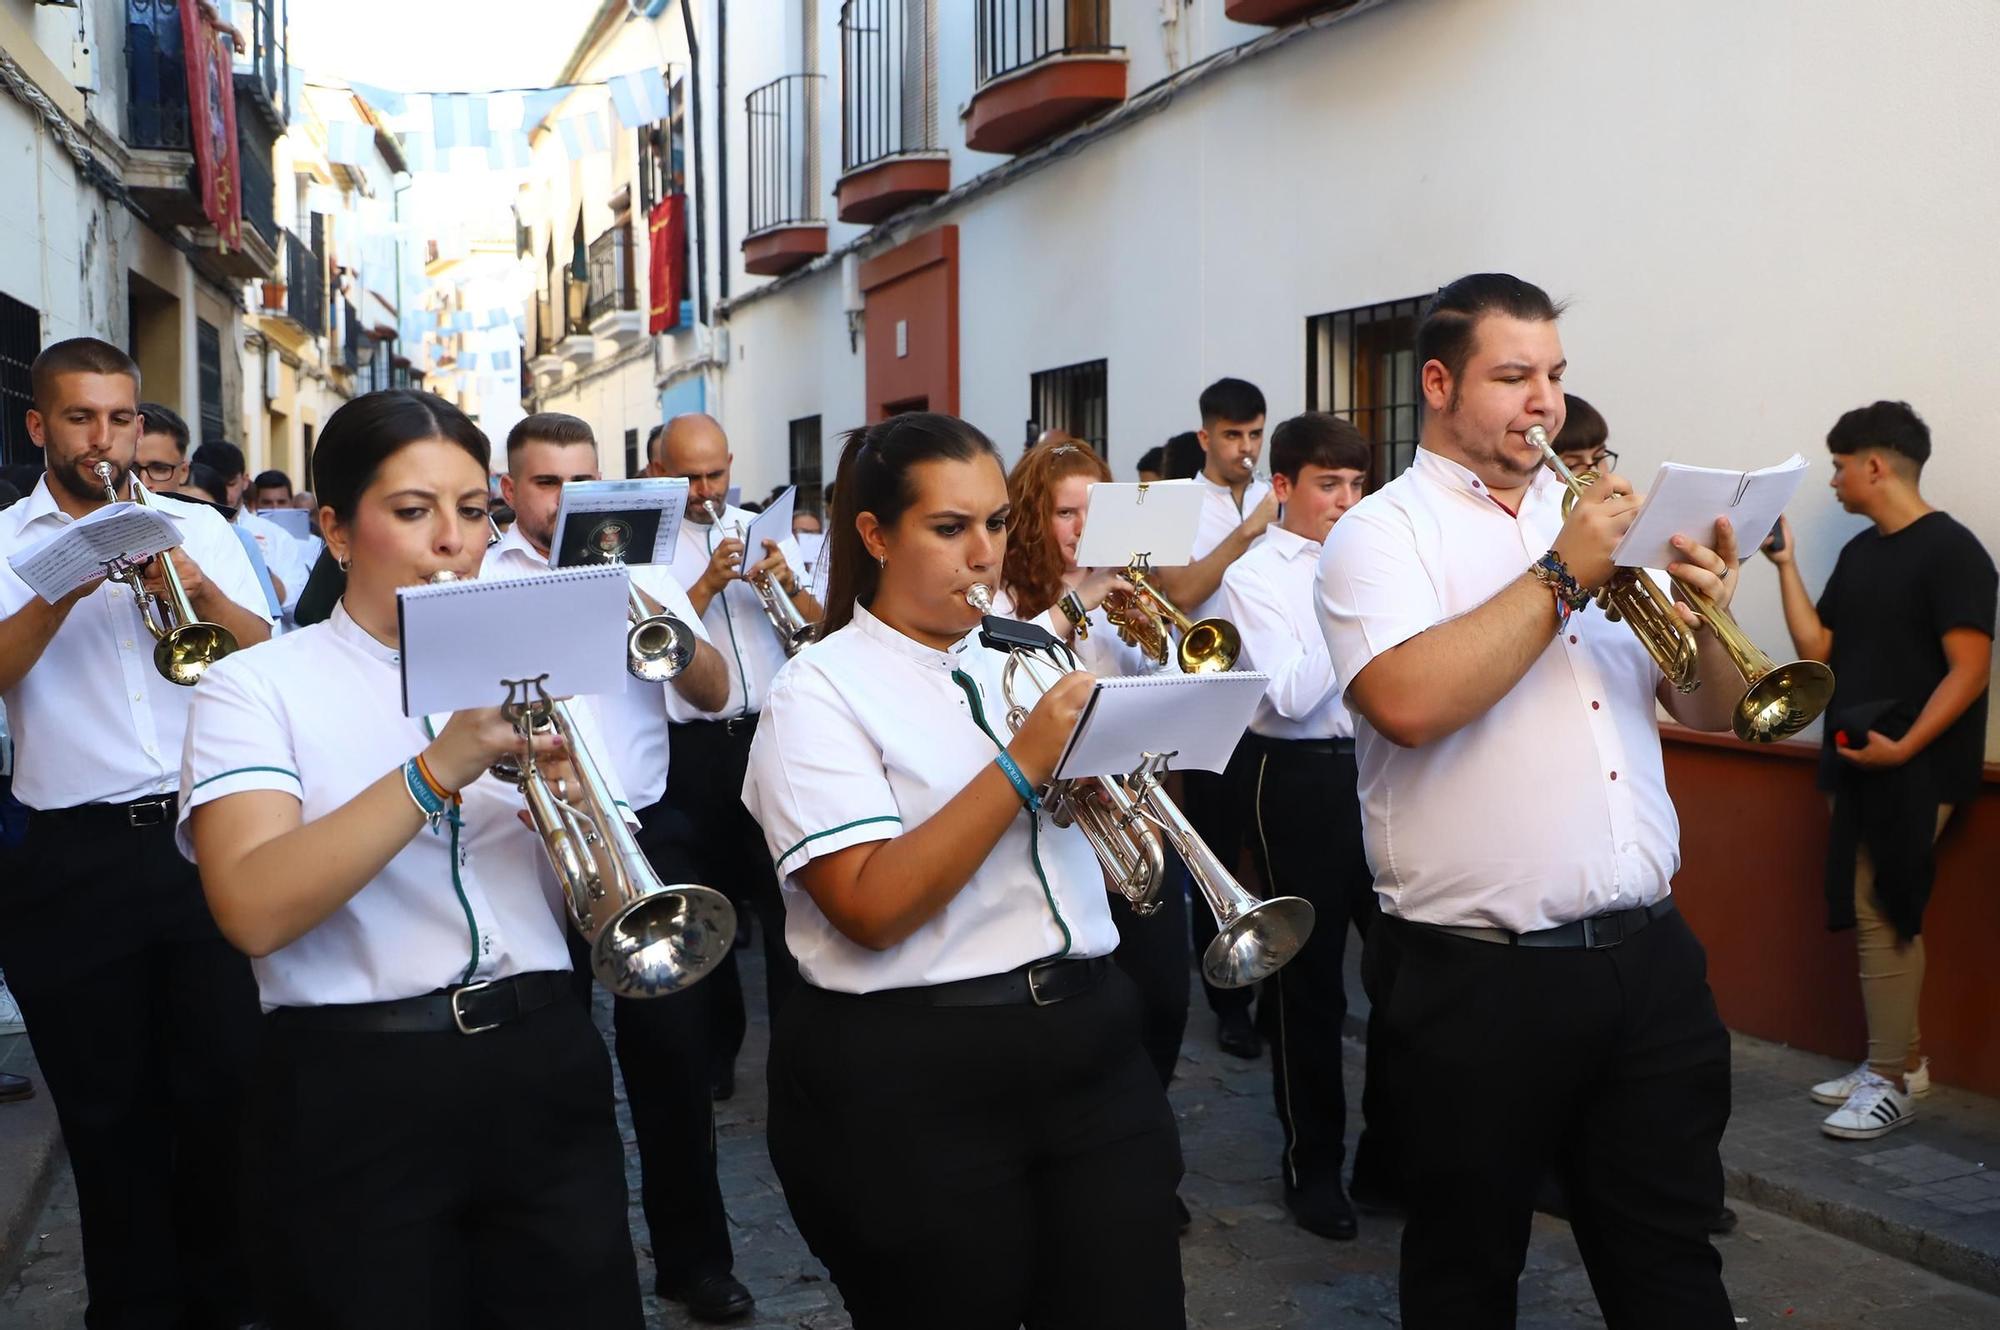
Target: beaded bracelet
{"x":1552,"y":573}
{"x":1020,"y":782}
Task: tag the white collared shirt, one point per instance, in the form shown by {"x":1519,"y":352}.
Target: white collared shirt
{"x":1220,"y":515}
{"x":735,"y":620}
{"x":317,"y":714}
{"x":93,"y":720}
{"x":634,"y":719}
{"x":1268,"y":594}
{"x":1553,"y":805}
{"x":868,"y":735}
{"x":282,"y":553}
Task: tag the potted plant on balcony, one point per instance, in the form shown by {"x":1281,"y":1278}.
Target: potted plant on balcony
{"x":274,"y":297}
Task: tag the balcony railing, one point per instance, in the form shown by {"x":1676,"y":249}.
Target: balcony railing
{"x":156,"y":94}
{"x":613,"y":278}
{"x":350,"y":341}
{"x":260,"y":71}
{"x":305,"y":285}
{"x":888,"y":84}
{"x":1013,"y":34}
{"x":253,"y":159}
{"x":784,"y":152}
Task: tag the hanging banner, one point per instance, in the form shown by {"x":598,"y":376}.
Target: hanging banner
{"x":210,"y":56}
{"x":666,"y":227}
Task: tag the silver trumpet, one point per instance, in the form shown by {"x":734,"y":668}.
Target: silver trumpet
{"x":183,"y":645}
{"x":1125,"y":819}
{"x":647,"y":938}
{"x":658,"y":645}
{"x":794,"y":633}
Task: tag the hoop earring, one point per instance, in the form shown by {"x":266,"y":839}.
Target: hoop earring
{"x":881,"y":561}
{"x":342,"y":564}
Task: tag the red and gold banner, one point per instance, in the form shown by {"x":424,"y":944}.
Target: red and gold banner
{"x":210,"y":49}
{"x":666,"y":227}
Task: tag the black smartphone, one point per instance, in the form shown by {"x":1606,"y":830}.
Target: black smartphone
{"x":1776,"y":540}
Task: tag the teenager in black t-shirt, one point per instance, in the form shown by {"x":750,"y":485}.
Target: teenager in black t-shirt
{"x":1906,"y":622}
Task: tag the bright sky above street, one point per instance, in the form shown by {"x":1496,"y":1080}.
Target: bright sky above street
{"x":427,"y":45}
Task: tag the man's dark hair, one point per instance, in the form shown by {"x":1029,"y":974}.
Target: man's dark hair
{"x":1450,"y":320}
{"x":225,"y":457}
{"x":1183,"y":457}
{"x":203,"y":477}
{"x":1153,"y":459}
{"x":165,"y":420}
{"x":1891,"y":426}
{"x":78,"y":355}
{"x":1318,"y":438}
{"x":9,"y":496}
{"x":1583,"y":428}
{"x":1231,"y":399}
{"x":549,"y":427}
{"x":271,"y":480}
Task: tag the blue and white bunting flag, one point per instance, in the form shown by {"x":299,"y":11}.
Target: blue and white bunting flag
{"x":459,"y":120}
{"x":583,"y":134}
{"x":640,"y":97}
{"x":508,"y":150}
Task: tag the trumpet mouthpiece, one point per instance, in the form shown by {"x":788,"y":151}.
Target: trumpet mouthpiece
{"x":980,"y":597}
{"x":1538,"y":436}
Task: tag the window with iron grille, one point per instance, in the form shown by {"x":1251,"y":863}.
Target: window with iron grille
{"x":1361,"y":364}
{"x":888,"y":83}
{"x":1070,"y":399}
{"x":306,"y":437}
{"x":632,"y":464}
{"x":20,"y":343}
{"x":805,"y":448}
{"x":208,"y":374}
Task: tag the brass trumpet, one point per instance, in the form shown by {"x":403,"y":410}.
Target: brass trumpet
{"x":1779,"y":701}
{"x":184,"y":646}
{"x":790,"y":625}
{"x":658,"y":646}
{"x":1125,"y":819}
{"x":1141,"y":615}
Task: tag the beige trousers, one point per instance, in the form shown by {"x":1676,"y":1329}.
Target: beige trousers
{"x":1892,"y":973}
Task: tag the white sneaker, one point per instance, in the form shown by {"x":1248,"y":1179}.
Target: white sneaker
{"x":1875,"y":1109}
{"x":10,"y":1013}
{"x":1840,"y":1089}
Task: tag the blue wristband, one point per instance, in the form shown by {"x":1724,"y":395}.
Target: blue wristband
{"x":427,"y":799}
{"x":1018,"y":781}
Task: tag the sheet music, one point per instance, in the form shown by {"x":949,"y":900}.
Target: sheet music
{"x":73,"y":555}
{"x":462,"y":640}
{"x":1159,"y":519}
{"x":1686,"y":500}
{"x":627,"y":521}
{"x":1196,"y":717}
{"x":774,"y":523}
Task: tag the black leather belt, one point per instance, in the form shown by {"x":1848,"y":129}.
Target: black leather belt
{"x":1040,"y":984}
{"x":1594,"y":934}
{"x":729,"y":725}
{"x":467,"y":1008}
{"x":156,"y":810}
{"x":1317,"y":747}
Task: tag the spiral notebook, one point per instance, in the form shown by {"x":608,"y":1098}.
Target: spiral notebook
{"x":462,"y":641}
{"x":1196,"y":717}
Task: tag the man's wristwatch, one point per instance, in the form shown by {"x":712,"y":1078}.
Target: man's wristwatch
{"x":1071,"y":605}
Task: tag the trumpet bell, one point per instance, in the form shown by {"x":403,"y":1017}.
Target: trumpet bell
{"x":656,"y":649}
{"x":184,"y":655}
{"x":663,"y":942}
{"x":1211,"y":646}
{"x":1783,"y":701}
{"x":1258,"y":943}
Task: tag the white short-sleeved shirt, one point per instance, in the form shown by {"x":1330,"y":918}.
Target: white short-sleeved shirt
{"x":317,"y":714}
{"x":283,"y":554}
{"x":869,"y":734}
{"x":1220,"y":515}
{"x":1553,"y":805}
{"x":93,"y":720}
{"x":635,"y":719}
{"x":1268,"y":594}
{"x":735,"y":620}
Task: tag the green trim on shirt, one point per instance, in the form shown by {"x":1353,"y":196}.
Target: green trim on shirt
{"x":458,"y":884}
{"x":964,"y":681}
{"x":238,"y":771}
{"x":834,"y":831}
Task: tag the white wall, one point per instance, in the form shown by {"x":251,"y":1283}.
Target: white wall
{"x":1763,"y":214}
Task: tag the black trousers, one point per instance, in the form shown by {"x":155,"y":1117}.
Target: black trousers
{"x":1306,"y":838}
{"x":1612,"y":1067}
{"x":440,"y":1181}
{"x":1153,"y":953}
{"x":982,"y":1168}
{"x":705,"y":788}
{"x":145,"y":1024}
{"x":664,"y":1055}
{"x":1218,"y":808}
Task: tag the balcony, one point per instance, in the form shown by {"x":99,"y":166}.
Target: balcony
{"x":1272,"y":13}
{"x":889,"y":154}
{"x":612,"y":307}
{"x":1042,"y":66}
{"x":260,"y":71}
{"x":787,"y":229}
{"x":161,"y":173}
{"x":304,"y":305}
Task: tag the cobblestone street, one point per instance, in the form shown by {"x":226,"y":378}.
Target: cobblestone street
{"x":1246,"y":1266}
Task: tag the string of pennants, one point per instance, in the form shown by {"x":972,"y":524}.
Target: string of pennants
{"x":437,"y":128}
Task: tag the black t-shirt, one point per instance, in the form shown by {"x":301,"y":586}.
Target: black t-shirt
{"x":1889,"y":603}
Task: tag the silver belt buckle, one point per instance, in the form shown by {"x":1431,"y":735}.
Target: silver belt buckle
{"x":458,"y":1012}
{"x":1034,"y":986}
{"x":146,"y":813}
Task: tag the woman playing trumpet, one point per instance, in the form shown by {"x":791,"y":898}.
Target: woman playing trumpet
{"x":964,"y":1122}
{"x":431,"y":1120}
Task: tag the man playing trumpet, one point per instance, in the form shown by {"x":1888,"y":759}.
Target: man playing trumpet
{"x":1548,"y":1007}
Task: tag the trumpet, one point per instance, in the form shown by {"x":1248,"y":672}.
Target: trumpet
{"x":647,"y":939}
{"x":657,"y":646}
{"x":1142,"y":615}
{"x":183,"y":645}
{"x":1126,"y":819}
{"x":790,"y":625}
{"x":1778,"y":700}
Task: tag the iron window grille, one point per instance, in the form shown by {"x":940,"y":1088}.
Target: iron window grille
{"x":1361,"y":364}
{"x":156,"y":92}
{"x":1013,"y":34}
{"x":1071,"y":399}
{"x":784,"y":152}
{"x":20,"y":343}
{"x":805,"y":459}
{"x":611,"y":274}
{"x":888,"y":83}
{"x":208,"y":375}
